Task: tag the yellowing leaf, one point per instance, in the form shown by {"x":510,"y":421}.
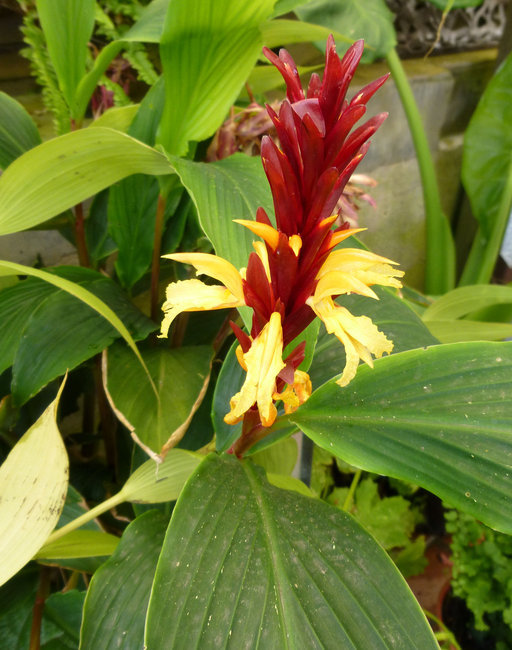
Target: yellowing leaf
{"x":33,"y":487}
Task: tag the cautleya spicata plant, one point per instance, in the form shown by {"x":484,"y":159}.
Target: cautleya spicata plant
{"x":246,"y":556}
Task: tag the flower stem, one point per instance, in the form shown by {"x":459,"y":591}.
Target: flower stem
{"x":155,"y":265}
{"x":440,"y":267}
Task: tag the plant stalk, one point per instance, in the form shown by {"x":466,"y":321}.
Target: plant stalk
{"x":88,"y":516}
{"x":485,"y":250}
{"x":81,"y":244}
{"x":155,"y":264}
{"x":352,"y":490}
{"x":38,"y":609}
{"x":440,"y":253}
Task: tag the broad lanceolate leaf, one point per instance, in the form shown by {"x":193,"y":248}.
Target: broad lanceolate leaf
{"x":371,"y":20}
{"x":18,"y":132}
{"x":148,"y":29}
{"x":230,"y":189}
{"x":117,"y":117}
{"x":62,"y":172}
{"x":121,"y":624}
{"x":487,"y":156}
{"x":391,"y":314}
{"x":245,"y":564}
{"x":464,"y":300}
{"x":33,"y":486}
{"x":439,"y":417}
{"x":67,"y":27}
{"x":10,"y":268}
{"x":48,"y":331}
{"x":208,"y":48}
{"x":179,"y":375}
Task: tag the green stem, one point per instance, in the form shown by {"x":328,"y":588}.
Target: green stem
{"x":485,"y":249}
{"x":445,"y":634}
{"x":88,"y":516}
{"x":155,"y":265}
{"x":352,"y":490}
{"x":440,"y":266}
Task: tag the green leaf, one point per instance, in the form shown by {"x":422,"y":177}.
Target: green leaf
{"x":117,"y":117}
{"x":487,"y":155}
{"x":10,"y":268}
{"x":285,"y":6}
{"x":371,"y":20}
{"x":155,"y":419}
{"x":282,"y":32}
{"x":67,"y":27}
{"x":151,"y":483}
{"x":62,"y":172}
{"x":464,"y":300}
{"x":121,"y":624}
{"x":439,"y":417}
{"x":149,"y":27}
{"x":51,"y":331}
{"x":278,"y":459}
{"x":245,"y":564}
{"x":79,"y":543}
{"x":232,"y":188}
{"x":391,"y":314}
{"x":208,"y":50}
{"x":33,"y":485}
{"x":61,"y":620}
{"x":18,"y":132}
{"x":458,"y":331}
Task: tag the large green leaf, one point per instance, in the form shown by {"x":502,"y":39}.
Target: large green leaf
{"x":230,"y":189}
{"x":148,"y":29}
{"x":371,"y":20}
{"x":124,"y":582}
{"x":48,"y":331}
{"x":154,"y":420}
{"x":392,"y":315}
{"x":439,"y":417}
{"x":10,"y":268}
{"x":62,"y":172}
{"x":208,"y":49}
{"x":67,"y":27}
{"x":487,"y":158}
{"x":33,"y":485}
{"x":18,"y":132}
{"x":245,"y":564}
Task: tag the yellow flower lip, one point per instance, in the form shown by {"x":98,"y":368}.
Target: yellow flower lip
{"x":341,"y":235}
{"x":214,"y":266}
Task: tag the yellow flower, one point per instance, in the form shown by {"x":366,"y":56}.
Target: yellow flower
{"x":194,"y":295}
{"x":263,"y":362}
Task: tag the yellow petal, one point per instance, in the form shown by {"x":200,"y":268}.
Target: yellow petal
{"x":263,"y":230}
{"x":337,"y":283}
{"x":341,"y":235}
{"x":360,"y":337}
{"x":261,"y":252}
{"x":295,"y":243}
{"x":263,"y":362}
{"x":349,"y":259}
{"x":194,"y":295}
{"x":214,"y":266}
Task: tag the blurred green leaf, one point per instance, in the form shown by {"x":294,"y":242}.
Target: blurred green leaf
{"x":246,"y":564}
{"x":207,"y":54}
{"x":439,"y":417}
{"x":464,"y":300}
{"x":18,"y":132}
{"x":67,"y":28}
{"x":33,"y":485}
{"x":117,"y":117}
{"x":283,"y":32}
{"x":371,"y":20}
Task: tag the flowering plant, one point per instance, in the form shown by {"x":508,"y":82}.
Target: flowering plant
{"x":237,"y":551}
